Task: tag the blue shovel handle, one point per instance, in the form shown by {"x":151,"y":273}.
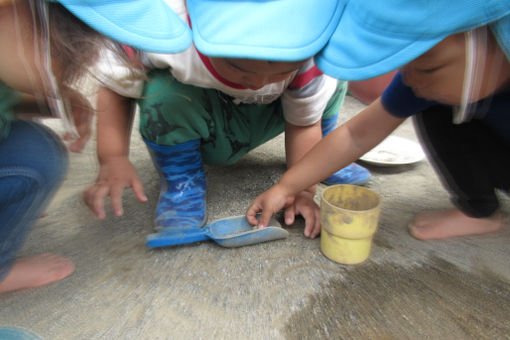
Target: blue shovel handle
{"x":175,"y":237}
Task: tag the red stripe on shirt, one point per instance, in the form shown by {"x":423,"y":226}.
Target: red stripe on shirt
{"x":304,"y":78}
{"x":210,"y":67}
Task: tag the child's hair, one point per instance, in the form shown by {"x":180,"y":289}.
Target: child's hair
{"x":75,"y":44}
{"x":62,"y":37}
{"x":60,"y":34}
{"x":72,"y":42}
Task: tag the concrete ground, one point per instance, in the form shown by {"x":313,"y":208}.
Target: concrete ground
{"x":407,"y":289}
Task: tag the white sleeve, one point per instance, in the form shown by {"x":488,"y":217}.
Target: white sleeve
{"x":117,"y":76}
{"x":305,"y":106}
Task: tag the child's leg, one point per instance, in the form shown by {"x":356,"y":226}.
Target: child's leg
{"x":472,"y":162}
{"x":33,"y":163}
{"x":172,"y":123}
{"x":197,"y":123}
{"x":353,"y":173}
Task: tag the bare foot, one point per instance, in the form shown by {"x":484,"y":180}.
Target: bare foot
{"x":36,"y":271}
{"x":434,"y":225}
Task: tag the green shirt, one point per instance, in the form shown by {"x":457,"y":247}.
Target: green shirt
{"x":8,"y":98}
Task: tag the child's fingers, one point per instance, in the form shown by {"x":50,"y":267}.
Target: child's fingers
{"x":290,"y":214}
{"x":316,"y":225}
{"x":94,"y":198}
{"x":266,"y":205}
{"x":256,"y":208}
{"x":138,"y":190}
{"x":309,"y":222}
{"x":311,"y":216}
{"x":265,"y":217}
{"x":251,"y":214}
{"x":116,"y":199}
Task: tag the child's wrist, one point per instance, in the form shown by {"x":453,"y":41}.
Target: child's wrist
{"x":103,"y":159}
{"x":312,"y":190}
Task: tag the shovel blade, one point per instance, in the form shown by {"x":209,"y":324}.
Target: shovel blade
{"x":253,"y":236}
{"x":237,"y":232}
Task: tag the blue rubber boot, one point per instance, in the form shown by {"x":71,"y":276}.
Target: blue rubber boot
{"x":182,"y":200}
{"x":352,"y":173}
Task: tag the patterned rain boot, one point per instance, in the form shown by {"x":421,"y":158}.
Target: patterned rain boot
{"x":182,"y":200}
{"x":352,"y":173}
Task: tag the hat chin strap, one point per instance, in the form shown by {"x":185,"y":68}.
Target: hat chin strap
{"x":476,"y":45}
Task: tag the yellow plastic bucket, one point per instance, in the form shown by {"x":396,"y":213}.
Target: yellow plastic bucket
{"x":349,"y":217}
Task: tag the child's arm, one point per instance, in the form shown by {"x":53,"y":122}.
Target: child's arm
{"x":340,"y":148}
{"x":114,"y":118}
{"x":298,"y":141}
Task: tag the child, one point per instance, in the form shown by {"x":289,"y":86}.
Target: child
{"x":33,"y":161}
{"x":248,"y":79}
{"x":471,"y":153}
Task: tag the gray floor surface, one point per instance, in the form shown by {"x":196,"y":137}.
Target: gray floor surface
{"x":407,"y":289}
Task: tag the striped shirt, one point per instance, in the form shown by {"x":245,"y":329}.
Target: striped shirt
{"x":304,"y":95}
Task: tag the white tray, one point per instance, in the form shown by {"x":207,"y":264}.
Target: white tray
{"x":394,"y":151}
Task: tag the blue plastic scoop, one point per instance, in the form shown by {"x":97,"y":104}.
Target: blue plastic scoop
{"x":228,"y":232}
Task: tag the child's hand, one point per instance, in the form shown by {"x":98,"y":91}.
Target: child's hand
{"x":268,"y":203}
{"x":115,"y":175}
{"x":305,"y":206}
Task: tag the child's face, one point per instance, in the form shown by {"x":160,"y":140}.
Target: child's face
{"x":254,"y":74}
{"x":438,"y":74}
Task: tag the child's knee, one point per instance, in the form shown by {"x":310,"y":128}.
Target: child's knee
{"x":36,"y":149}
{"x":224,"y":153}
{"x":171,"y":112}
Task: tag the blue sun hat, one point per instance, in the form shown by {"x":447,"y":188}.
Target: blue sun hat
{"x":280,"y":30}
{"x":374,"y":37}
{"x":150,"y":25}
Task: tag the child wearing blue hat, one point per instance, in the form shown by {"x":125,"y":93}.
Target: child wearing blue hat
{"x":249,"y":77}
{"x":454,"y":80}
{"x":44,"y":49}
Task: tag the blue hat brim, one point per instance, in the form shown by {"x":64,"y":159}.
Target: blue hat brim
{"x":146,"y":25}
{"x":283,"y":30}
{"x":375,"y":37}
